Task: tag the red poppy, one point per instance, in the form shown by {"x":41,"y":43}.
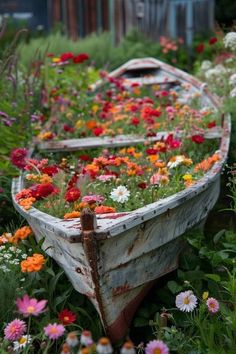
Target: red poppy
{"x":18,"y":157}
{"x":66,"y":317}
{"x":212,"y":40}
{"x":72,"y":195}
{"x":198,"y":139}
{"x":66,"y":56}
{"x":85,"y":158}
{"x":80,"y":58}
{"x":211,"y":124}
{"x":97,"y":131}
{"x":200,"y":48}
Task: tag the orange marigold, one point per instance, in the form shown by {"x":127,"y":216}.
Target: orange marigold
{"x":22,"y":233}
{"x":72,"y":215}
{"x":33,"y":263}
{"x":27,"y":202}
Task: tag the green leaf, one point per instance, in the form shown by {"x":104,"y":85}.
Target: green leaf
{"x":214,"y":277}
{"x":174,"y":287}
{"x":218,"y":235}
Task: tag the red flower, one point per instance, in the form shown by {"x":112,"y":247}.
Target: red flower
{"x":80,"y":58}
{"x":173,"y":144}
{"x":198,"y":139}
{"x":151,"y":151}
{"x":211,"y":124}
{"x":18,"y":157}
{"x":212,"y":40}
{"x":43,"y":190}
{"x":66,"y":317}
{"x":50,"y":170}
{"x":135,"y":121}
{"x":97,"y":131}
{"x":200,"y":48}
{"x":142,"y":185}
{"x":68,"y":128}
{"x":72,"y":195}
{"x":66,"y":56}
{"x":85,"y":158}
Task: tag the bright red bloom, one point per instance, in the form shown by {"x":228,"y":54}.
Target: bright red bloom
{"x":212,"y":40}
{"x":97,"y":131}
{"x":172,"y":143}
{"x":50,"y":170}
{"x":18,"y":157}
{"x":66,"y":317}
{"x":135,"y":121}
{"x":66,"y":56}
{"x":43,"y":190}
{"x":85,"y":158}
{"x":151,"y":151}
{"x":198,"y":139}
{"x":200,"y":48}
{"x":80,"y":58}
{"x":211,"y":124}
{"x":72,"y":195}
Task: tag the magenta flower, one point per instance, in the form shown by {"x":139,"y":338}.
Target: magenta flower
{"x":54,"y":331}
{"x":212,"y":305}
{"x":156,"y":347}
{"x":15,"y":329}
{"x":30,"y":307}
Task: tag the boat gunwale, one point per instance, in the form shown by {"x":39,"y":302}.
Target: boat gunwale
{"x":138,"y":216}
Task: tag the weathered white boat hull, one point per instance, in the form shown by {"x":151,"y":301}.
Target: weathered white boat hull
{"x":116,"y":272}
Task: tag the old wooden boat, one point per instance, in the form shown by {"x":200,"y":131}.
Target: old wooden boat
{"x":114,"y":259}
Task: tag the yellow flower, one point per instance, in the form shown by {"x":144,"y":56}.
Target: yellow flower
{"x":187,"y":177}
{"x":79,"y":123}
{"x":205,"y":295}
{"x":95,"y":108}
{"x":56,"y":60}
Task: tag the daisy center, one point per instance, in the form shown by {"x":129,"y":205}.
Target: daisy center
{"x":22,"y":340}
{"x":120,"y":193}
{"x":186,"y":300}
{"x":157,"y":351}
{"x":30,"y":309}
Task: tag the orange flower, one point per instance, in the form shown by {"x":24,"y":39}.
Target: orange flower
{"x":103,"y":209}
{"x":22,"y":233}
{"x":91,"y":124}
{"x":72,"y":215}
{"x":27,"y":202}
{"x":206,"y":164}
{"x":45,"y":136}
{"x":33,"y":263}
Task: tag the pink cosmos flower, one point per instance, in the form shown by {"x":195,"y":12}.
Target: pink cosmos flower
{"x":212,"y":305}
{"x":30,"y":307}
{"x":93,"y":198}
{"x":54,"y":330}
{"x":156,"y":347}
{"x":15,"y":329}
{"x":104,"y":178}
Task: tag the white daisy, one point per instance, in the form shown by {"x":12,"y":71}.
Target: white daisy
{"x":206,"y":65}
{"x":232,"y":80}
{"x":104,"y":346}
{"x":21,"y":343}
{"x":186,"y":301}
{"x":175,"y":161}
{"x":233,"y":93}
{"x":120,"y":194}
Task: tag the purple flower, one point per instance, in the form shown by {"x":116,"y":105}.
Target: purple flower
{"x":15,"y":329}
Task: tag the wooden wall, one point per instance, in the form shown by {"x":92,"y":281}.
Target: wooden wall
{"x":174,"y":18}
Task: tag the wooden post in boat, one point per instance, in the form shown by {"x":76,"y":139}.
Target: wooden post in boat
{"x":88,"y":225}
